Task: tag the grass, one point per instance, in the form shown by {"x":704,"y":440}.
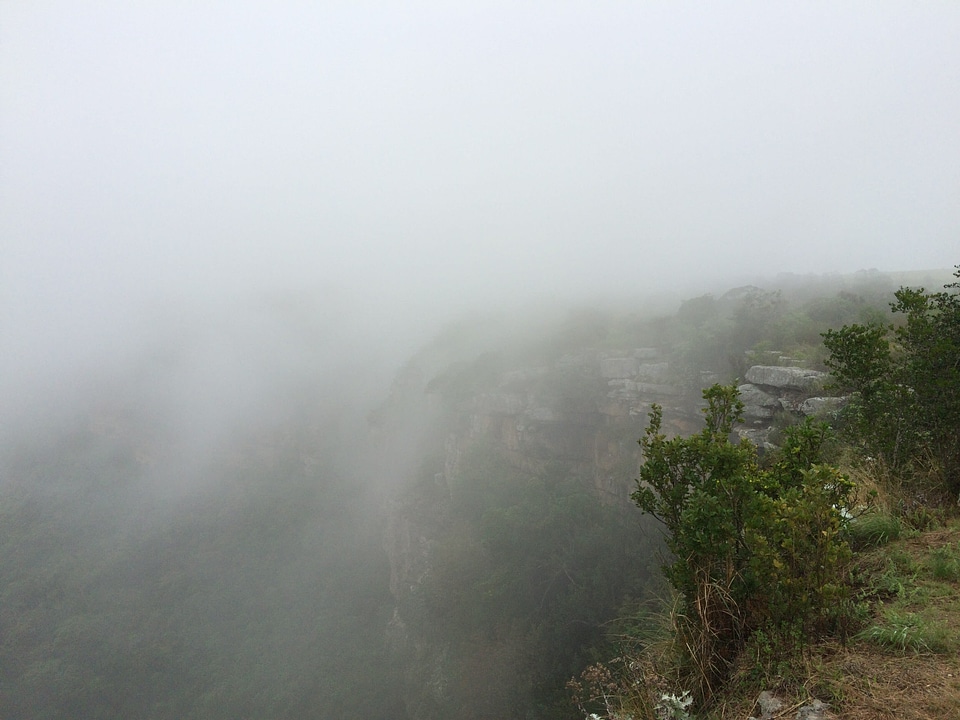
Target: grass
{"x":873,"y":529}
{"x":904,"y":662}
{"x":944,"y":563}
{"x":907,"y":631}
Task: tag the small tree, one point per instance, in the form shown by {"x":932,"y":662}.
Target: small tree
{"x":905,"y":382}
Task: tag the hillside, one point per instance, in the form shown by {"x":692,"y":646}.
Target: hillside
{"x":508,"y":428}
{"x":461,"y":549}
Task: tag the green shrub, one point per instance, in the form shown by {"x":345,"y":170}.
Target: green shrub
{"x":752,"y":549}
{"x":905,"y":383}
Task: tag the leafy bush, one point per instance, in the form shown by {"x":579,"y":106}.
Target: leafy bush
{"x":905,"y":382}
{"x":752,"y":549}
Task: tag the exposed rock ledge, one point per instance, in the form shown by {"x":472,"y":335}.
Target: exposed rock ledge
{"x":772,"y":707}
{"x":787,"y":378}
{"x":772,"y":390}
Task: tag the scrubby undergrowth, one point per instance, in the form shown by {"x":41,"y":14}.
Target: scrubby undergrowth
{"x":903,"y":663}
{"x":812,"y":579}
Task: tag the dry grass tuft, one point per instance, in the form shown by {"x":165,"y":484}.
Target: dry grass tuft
{"x":873,"y":685}
{"x":865,"y":682}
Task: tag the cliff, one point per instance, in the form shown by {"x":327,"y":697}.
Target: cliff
{"x":577,"y":417}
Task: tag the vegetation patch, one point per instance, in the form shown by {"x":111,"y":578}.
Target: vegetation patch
{"x":758,"y":553}
{"x":873,"y":528}
{"x":906,"y":631}
{"x":792,"y":577}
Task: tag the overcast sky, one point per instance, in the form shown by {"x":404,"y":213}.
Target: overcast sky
{"x":435,"y":154}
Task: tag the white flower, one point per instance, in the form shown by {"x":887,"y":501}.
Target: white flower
{"x":672,"y":707}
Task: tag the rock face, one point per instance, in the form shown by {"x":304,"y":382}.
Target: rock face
{"x":820,"y":406}
{"x":772,"y":391}
{"x":758,"y":405}
{"x":619,"y":367}
{"x":583,"y":413}
{"x":587,"y":411}
{"x":786,"y":378}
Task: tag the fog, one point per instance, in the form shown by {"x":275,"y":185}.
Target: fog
{"x":217,"y":215}
{"x":409,"y":159}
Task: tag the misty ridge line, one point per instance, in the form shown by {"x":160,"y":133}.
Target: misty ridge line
{"x":199,"y":371}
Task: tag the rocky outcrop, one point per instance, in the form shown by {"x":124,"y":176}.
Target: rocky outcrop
{"x":770,"y":390}
{"x":822,"y":406}
{"x":758,"y":404}
{"x":787,"y":378}
{"x":586,"y":411}
{"x":773,"y":391}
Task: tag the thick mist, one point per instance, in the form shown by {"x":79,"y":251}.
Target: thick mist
{"x":401,"y":159}
{"x":394,"y":166}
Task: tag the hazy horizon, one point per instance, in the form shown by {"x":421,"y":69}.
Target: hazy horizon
{"x":386,"y":167}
